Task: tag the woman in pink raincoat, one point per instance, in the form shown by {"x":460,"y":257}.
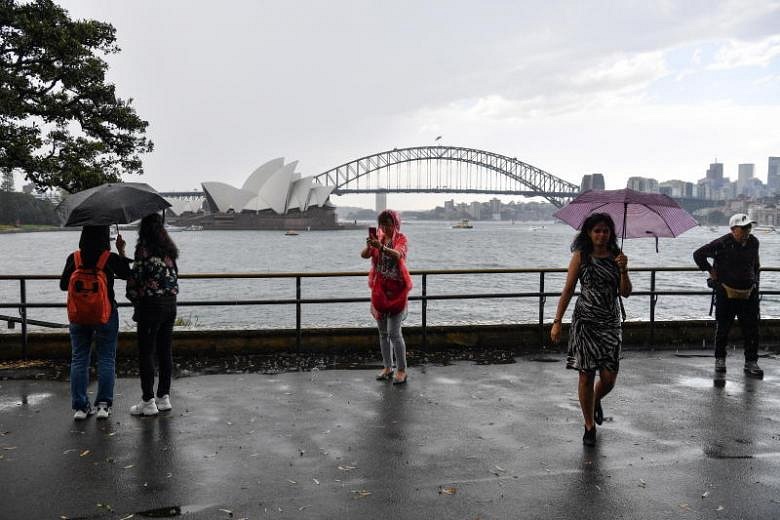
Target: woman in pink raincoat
{"x":390,"y":285}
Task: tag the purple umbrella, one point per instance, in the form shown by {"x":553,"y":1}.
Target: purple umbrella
{"x":644,"y":214}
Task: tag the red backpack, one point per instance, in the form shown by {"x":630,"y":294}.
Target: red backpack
{"x":88,"y":302}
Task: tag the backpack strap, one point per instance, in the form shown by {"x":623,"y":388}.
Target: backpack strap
{"x":103,"y":260}
{"x":77,"y":259}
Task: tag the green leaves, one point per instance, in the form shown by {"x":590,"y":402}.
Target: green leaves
{"x":61,"y":123}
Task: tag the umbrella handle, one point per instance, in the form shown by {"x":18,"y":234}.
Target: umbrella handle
{"x":623,"y":236}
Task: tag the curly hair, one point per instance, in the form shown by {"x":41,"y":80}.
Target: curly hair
{"x":582,"y":241}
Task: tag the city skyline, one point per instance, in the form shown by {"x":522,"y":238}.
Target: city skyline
{"x":223,"y":88}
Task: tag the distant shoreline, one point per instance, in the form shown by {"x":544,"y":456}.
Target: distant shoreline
{"x":30,"y":228}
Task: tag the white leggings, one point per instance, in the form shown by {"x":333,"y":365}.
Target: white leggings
{"x":391,"y":341}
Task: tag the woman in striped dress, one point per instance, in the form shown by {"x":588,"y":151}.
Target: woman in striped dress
{"x":595,"y":336}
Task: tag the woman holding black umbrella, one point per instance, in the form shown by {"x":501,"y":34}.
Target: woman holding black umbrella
{"x":595,"y":337}
{"x":93,"y":313}
{"x":152,"y":289}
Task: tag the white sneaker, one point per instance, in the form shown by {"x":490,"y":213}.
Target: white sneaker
{"x":80,"y":415}
{"x":164,"y":403}
{"x":144,"y":408}
{"x":103,"y":411}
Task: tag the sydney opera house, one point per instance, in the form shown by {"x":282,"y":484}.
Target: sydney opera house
{"x":273,"y":197}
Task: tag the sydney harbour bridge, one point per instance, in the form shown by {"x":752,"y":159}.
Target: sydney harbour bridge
{"x":441,"y":169}
{"x":446,"y":169}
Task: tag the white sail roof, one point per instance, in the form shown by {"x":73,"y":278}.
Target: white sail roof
{"x":259,"y":177}
{"x":256,"y":204}
{"x":319,"y":194}
{"x":274,"y":185}
{"x":299,"y":193}
{"x":225,"y":196}
{"x":275,"y":190}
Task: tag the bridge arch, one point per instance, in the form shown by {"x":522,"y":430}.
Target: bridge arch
{"x":515,"y":177}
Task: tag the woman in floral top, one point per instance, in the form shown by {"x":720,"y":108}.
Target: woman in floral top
{"x":390,"y":285}
{"x":152,"y":288}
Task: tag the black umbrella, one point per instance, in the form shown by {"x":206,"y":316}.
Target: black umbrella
{"x":119,"y":203}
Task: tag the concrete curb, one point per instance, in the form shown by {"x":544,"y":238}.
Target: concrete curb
{"x":522,"y":338}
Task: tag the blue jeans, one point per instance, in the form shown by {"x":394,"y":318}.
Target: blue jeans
{"x":106,"y":337}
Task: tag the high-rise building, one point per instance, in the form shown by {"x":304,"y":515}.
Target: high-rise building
{"x":475,"y":210}
{"x":744,"y":179}
{"x":715,"y":174}
{"x":645,"y":184}
{"x":773,"y":175}
{"x":381,"y":201}
{"x":495,"y":206}
{"x":586,"y":183}
{"x":677,"y":189}
{"x":592,"y":181}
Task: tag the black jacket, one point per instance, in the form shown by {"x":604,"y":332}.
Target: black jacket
{"x":734,"y":264}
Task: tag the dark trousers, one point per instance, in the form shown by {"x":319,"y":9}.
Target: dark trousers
{"x":747,"y":312}
{"x":156,"y":317}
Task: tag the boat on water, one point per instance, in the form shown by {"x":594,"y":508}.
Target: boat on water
{"x":764,"y":229}
{"x":535,"y":228}
{"x":193,"y":228}
{"x":463,"y":224}
{"x":291,"y":233}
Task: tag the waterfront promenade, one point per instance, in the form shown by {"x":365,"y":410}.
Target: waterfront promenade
{"x":460,"y":441}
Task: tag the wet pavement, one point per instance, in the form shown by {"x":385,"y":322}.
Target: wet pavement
{"x":464,"y":440}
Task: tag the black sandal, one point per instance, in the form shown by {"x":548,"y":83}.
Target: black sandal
{"x":401,"y":381}
{"x":385,"y":376}
{"x":598,"y":414}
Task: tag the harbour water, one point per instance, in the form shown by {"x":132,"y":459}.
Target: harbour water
{"x":433,"y":245}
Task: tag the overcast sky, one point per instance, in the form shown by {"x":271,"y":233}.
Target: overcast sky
{"x":657,"y":88}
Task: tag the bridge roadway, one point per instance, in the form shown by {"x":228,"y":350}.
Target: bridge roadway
{"x":689,"y":204}
{"x":458,"y":441}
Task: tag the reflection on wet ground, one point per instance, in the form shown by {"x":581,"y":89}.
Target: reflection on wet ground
{"x":273,"y":363}
{"x":461,"y":440}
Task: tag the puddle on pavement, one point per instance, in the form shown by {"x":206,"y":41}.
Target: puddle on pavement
{"x":171,"y":511}
{"x":7,"y":403}
{"x":446,"y":381}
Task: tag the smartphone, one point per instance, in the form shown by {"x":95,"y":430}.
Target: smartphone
{"x":372,"y":232}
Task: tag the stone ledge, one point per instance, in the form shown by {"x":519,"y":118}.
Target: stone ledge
{"x":522,"y":338}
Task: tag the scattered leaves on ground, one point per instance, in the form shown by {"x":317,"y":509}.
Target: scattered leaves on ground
{"x":361,"y":493}
{"x":84,"y":453}
{"x":447,"y":490}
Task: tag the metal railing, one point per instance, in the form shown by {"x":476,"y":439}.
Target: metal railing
{"x":298,"y":301}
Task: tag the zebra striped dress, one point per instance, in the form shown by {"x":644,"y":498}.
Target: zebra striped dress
{"x":595,"y":337}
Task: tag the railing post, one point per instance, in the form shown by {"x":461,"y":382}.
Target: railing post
{"x":653,"y":299}
{"x":23,"y":314}
{"x":298,"y":314}
{"x":424,"y":312}
{"x":542,"y":300}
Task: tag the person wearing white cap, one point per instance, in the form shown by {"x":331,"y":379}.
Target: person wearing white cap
{"x":734,"y":274}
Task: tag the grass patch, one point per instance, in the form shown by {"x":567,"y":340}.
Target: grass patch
{"x":188,"y":321}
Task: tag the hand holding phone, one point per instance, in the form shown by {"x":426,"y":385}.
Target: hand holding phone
{"x":372,"y":233}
